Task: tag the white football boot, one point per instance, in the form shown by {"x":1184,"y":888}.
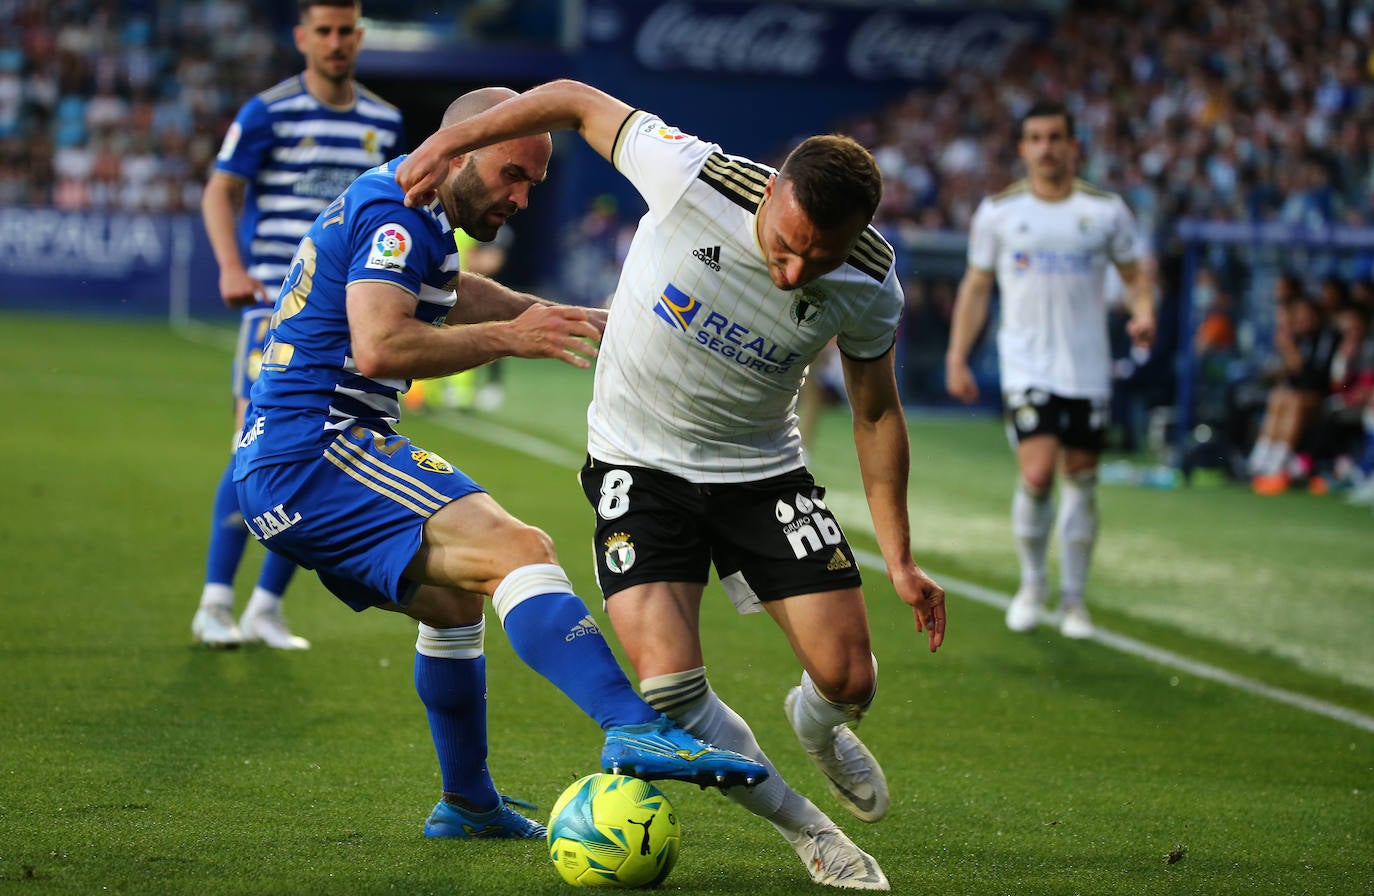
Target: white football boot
{"x":269,"y":627}
{"x":850,"y":769}
{"x":214,"y":626}
{"x":1025,"y":609}
{"x":833,"y":860}
{"x":1076,"y":623}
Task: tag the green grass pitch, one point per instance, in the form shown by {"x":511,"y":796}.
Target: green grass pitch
{"x":132,"y":762}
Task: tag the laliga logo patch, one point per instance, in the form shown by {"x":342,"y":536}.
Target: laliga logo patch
{"x":432,"y":462}
{"x":390,"y":245}
{"x":663,"y":132}
{"x":620,"y":553}
{"x":231,"y":142}
{"x":1022,"y":261}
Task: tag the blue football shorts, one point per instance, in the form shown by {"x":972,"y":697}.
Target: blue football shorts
{"x":355,"y":515}
{"x":769,"y":539}
{"x":253,"y":329}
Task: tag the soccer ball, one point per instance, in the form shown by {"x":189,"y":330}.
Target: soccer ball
{"x":613,"y":831}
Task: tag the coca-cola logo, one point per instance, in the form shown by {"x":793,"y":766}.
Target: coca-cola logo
{"x":799,"y":41}
{"x":772,"y":39}
{"x":886,"y":45}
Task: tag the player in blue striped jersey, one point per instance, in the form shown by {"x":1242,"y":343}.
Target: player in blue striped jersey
{"x":291,"y":150}
{"x":374,"y":299}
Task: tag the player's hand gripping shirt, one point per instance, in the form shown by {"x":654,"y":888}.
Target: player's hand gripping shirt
{"x":310,"y":387}
{"x":1050,"y":260}
{"x":703,"y":356}
{"x":297,"y":154}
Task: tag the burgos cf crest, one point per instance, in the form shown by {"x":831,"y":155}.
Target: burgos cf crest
{"x":432,"y":462}
{"x":676,"y":307}
{"x":620,"y":552}
{"x":807,"y":306}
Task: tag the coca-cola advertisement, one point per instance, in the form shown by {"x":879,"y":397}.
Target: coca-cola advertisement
{"x":871,"y":44}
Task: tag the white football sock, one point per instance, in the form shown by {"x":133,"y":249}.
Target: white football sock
{"x":687,"y":698}
{"x":216,"y":594}
{"x":1031,"y":518}
{"x":1077,"y":533}
{"x":263,"y":601}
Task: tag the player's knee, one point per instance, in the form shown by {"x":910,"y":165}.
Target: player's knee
{"x":524,"y":545}
{"x":1037,"y":483}
{"x":851,"y":684}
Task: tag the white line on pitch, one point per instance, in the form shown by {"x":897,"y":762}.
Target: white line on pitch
{"x":1154,"y":654}
{"x":545,"y":450}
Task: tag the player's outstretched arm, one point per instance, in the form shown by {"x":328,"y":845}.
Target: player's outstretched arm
{"x":555,"y":106}
{"x":482,"y":299}
{"x":389,"y":342}
{"x":884,"y":451}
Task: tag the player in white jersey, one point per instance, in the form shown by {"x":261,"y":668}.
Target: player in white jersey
{"x":737,"y":278}
{"x":290,"y":151}
{"x":1047,"y":242}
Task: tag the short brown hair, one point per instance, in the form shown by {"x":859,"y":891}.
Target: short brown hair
{"x":834,"y":180}
{"x":1046,"y":109}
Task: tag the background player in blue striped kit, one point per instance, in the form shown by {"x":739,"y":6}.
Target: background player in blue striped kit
{"x":290,"y":151}
{"x":375,"y":298}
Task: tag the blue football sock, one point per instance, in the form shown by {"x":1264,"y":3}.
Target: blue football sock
{"x":556,"y":636}
{"x":228,"y":534}
{"x":276,"y":573}
{"x":454,"y":692}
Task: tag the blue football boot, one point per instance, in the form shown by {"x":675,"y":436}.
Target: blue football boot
{"x":449,"y":820}
{"x":662,"y":749}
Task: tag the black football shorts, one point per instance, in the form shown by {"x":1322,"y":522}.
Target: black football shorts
{"x":768,"y":539}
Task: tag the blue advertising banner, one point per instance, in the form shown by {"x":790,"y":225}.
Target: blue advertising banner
{"x":106,"y":262}
{"x":803,"y":41}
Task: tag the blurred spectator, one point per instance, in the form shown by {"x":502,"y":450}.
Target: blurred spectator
{"x":1306,"y":347}
{"x":1337,"y":435}
{"x":592,"y":254}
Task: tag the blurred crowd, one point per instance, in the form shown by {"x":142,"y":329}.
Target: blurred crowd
{"x":122,"y":105}
{"x":1252,"y":110}
{"x":1255,"y":111}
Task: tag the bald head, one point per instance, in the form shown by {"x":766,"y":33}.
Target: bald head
{"x":475,"y":102}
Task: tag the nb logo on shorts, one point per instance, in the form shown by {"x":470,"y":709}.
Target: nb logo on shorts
{"x":809,"y":527}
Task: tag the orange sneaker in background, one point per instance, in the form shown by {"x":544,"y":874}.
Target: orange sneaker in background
{"x":1271,"y":484}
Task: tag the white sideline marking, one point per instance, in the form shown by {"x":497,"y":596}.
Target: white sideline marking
{"x":1154,"y":654}
{"x":557,"y":454}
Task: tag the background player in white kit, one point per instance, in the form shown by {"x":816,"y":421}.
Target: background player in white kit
{"x":736,"y":280}
{"x":1047,"y":241}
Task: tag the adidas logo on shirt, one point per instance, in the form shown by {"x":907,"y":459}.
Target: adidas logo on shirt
{"x":585,"y":626}
{"x":710,"y":256}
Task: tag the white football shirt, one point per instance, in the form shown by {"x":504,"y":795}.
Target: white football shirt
{"x":1051,"y":261}
{"x":703,"y":356}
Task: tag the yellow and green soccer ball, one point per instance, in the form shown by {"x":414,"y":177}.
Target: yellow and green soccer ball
{"x":613,"y":831}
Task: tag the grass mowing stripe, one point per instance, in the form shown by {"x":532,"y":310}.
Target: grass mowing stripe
{"x":1168,"y":658}
{"x":547,"y":451}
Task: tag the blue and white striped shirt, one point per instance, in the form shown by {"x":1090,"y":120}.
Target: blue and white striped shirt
{"x":297,"y":154}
